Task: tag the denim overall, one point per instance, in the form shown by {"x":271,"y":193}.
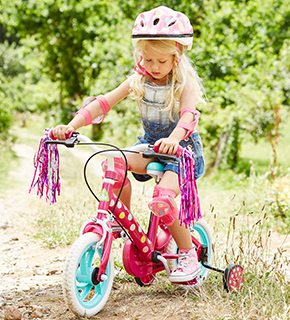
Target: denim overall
{"x":157,"y":125}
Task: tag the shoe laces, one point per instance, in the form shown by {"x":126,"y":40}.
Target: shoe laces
{"x":183,"y":260}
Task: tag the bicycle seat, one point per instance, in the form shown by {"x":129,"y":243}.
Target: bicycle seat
{"x":155,"y":169}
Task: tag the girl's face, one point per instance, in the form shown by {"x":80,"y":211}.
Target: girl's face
{"x":156,"y":63}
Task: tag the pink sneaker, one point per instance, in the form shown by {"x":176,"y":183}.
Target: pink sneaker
{"x":187,"y":268}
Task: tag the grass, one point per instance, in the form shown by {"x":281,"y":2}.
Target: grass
{"x":73,"y":207}
{"x":8,"y":161}
{"x":235,"y":206}
{"x":261,"y":154}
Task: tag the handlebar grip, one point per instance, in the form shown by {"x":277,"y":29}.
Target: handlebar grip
{"x":52,"y":137}
{"x":178,"y":152}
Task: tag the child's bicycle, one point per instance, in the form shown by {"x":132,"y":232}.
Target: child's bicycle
{"x":89,"y":267}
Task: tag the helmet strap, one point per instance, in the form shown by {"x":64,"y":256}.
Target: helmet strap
{"x":138,"y":68}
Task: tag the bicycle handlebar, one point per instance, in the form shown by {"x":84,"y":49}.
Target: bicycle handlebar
{"x":147,"y":151}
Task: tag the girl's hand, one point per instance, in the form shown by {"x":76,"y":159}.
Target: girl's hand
{"x":61,"y":131}
{"x":167,"y":145}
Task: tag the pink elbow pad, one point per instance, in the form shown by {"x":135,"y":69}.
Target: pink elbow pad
{"x":106,"y":108}
{"x":189,"y":126}
{"x":86,"y":114}
{"x":104,"y":105}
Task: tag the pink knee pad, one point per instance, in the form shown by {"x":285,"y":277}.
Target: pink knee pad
{"x":120,"y":168}
{"x":162,"y":206}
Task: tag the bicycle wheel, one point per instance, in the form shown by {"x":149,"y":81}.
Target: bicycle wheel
{"x":233,"y":278}
{"x":202,"y":232}
{"x":82,"y":296}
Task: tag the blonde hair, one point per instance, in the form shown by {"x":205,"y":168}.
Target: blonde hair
{"x":183,"y":74}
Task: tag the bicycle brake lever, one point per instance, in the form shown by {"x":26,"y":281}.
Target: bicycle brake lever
{"x":72,"y":141}
{"x":69,"y":143}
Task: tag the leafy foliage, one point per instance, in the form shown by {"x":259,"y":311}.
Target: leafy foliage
{"x":241,"y":50}
{"x":240,"y":53}
{"x":22,"y":91}
{"x":10,"y":68}
{"x":278,"y":200}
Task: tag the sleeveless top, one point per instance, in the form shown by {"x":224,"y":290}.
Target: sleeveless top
{"x":156,"y":122}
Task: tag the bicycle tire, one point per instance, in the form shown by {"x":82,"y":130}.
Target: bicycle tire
{"x":202,"y":232}
{"x":82,"y":297}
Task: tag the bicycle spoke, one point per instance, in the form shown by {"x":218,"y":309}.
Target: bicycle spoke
{"x":81,"y":285}
{"x":85,"y":291}
{"x":99,"y":288}
{"x":86,"y":261}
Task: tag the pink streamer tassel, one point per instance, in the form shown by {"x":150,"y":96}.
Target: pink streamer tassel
{"x":46,"y":164}
{"x":189,"y":206}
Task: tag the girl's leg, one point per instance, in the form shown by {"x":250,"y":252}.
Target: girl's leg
{"x":188,"y":267}
{"x":180,"y":234}
{"x":125,"y":196}
{"x":138,"y":165}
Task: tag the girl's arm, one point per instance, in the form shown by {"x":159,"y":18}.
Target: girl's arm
{"x":169,"y":145}
{"x":94,"y":109}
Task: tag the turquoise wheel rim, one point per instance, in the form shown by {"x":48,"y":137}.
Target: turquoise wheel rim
{"x":205,"y":241}
{"x":88,"y":294}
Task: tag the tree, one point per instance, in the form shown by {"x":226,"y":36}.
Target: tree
{"x":238,"y":50}
{"x":64,"y":31}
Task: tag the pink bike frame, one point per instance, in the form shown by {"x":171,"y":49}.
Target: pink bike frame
{"x":138,"y":251}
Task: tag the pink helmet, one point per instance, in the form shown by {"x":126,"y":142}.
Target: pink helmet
{"x":163,"y":23}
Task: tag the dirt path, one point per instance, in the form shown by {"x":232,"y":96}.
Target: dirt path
{"x":28,"y":271}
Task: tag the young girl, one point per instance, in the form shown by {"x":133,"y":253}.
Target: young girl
{"x":167,"y":90}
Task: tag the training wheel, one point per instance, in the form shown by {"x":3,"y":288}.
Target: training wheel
{"x":233,"y":277}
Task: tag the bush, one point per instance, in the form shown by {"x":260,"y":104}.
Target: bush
{"x":279,"y":202}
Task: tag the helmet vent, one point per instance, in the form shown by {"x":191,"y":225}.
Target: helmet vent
{"x":142,"y":23}
{"x":172,"y":22}
{"x":156,"y":21}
